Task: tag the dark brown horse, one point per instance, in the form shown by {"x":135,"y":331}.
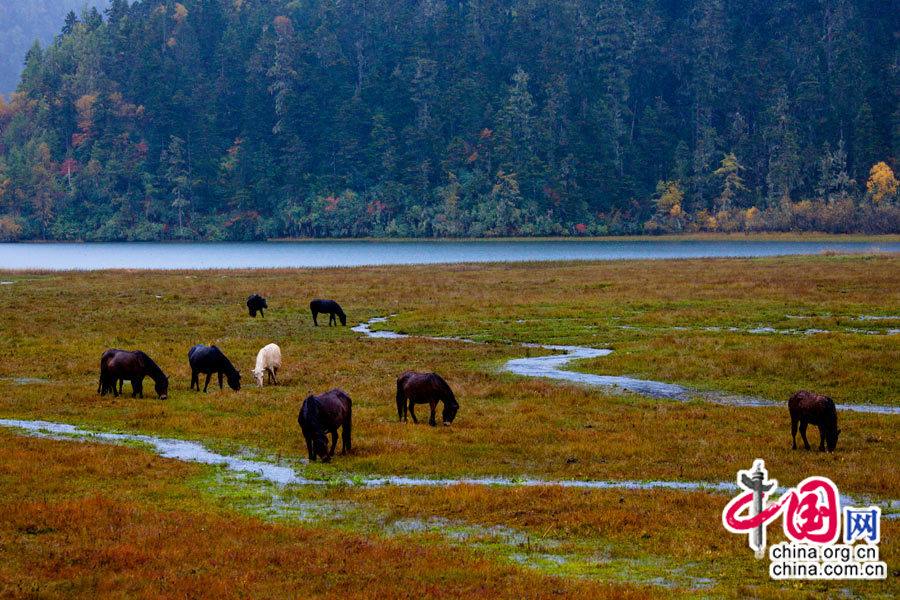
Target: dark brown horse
{"x":209,"y":360}
{"x":327,"y":307}
{"x":425,"y":388}
{"x":323,"y":414}
{"x":814,"y":409}
{"x":257,"y":303}
{"x":119,"y":365}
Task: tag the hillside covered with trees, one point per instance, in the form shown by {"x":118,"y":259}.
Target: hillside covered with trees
{"x":22,"y":22}
{"x":247,"y":119}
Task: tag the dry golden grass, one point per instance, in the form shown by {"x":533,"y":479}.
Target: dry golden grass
{"x":56,"y":325}
{"x":88,"y":521}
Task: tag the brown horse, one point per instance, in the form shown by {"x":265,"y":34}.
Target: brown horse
{"x":425,"y":388}
{"x":119,"y":365}
{"x":815,"y":409}
{"x":323,"y":414}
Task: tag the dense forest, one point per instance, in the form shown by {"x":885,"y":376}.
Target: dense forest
{"x":24,"y":21}
{"x":249,"y":119}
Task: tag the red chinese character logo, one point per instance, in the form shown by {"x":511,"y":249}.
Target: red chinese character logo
{"x":813,"y":512}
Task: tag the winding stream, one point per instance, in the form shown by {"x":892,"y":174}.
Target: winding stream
{"x":282,"y":474}
{"x":551,"y":367}
{"x":253,"y":478}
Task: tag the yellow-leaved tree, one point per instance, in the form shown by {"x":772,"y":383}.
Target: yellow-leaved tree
{"x":882,"y":185}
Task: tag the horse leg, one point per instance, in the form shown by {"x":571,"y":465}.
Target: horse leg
{"x":195,"y":380}
{"x":309,"y":448}
{"x":315,"y":318}
{"x":345,"y":437}
{"x":793,"y":433}
{"x":140,"y":387}
{"x":431,"y":421}
{"x":333,"y":441}
{"x":821,"y":438}
{"x":412,"y":412}
{"x":220,"y":381}
{"x":803,"y":433}
{"x":206,"y":385}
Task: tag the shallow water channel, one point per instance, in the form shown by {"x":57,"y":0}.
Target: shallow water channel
{"x":551,"y":367}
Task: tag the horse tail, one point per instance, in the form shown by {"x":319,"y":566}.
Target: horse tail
{"x":401,"y":396}
{"x":348,"y":425}
{"x":104,"y":374}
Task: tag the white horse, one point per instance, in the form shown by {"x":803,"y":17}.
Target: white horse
{"x":268,"y":361}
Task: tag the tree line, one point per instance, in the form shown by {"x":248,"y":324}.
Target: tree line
{"x":252,"y":119}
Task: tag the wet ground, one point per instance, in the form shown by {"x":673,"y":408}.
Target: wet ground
{"x":552,"y":367}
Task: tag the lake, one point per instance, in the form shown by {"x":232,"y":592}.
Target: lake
{"x":89,"y":256}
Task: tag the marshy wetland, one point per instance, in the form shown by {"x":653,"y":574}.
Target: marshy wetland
{"x":541,"y":487}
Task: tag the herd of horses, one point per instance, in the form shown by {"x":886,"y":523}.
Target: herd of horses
{"x":326,"y":413}
{"x":319,"y":415}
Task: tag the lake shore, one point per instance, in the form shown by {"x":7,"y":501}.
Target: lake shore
{"x":64,"y":256}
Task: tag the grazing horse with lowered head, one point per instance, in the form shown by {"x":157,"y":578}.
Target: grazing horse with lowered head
{"x":257,"y":303}
{"x":425,"y":388}
{"x":118,"y":365}
{"x":209,"y":360}
{"x":814,"y":409}
{"x":323,"y":414}
{"x":327,"y":307}
{"x":268,"y":361}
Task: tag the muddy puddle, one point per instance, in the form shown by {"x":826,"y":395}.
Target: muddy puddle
{"x":26,"y":380}
{"x":552,"y":367}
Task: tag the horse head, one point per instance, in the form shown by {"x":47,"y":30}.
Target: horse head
{"x":162,"y":387}
{"x":451,"y":407}
{"x":831,"y":437}
{"x":234,"y":379}
{"x":258,"y":376}
{"x":343,"y":318}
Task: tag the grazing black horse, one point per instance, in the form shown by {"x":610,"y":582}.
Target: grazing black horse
{"x":815,"y":409}
{"x":327,"y":307}
{"x":257,"y":303}
{"x":323,"y":414}
{"x":425,"y":388}
{"x":209,"y":360}
{"x":118,"y":365}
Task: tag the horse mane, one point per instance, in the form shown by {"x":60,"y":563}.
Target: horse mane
{"x":153,"y":369}
{"x":230,"y":367}
{"x":445,"y":387}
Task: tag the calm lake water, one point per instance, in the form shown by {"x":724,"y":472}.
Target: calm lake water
{"x":63,"y":256}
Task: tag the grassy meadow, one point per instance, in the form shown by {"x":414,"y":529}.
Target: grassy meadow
{"x":88,"y":518}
